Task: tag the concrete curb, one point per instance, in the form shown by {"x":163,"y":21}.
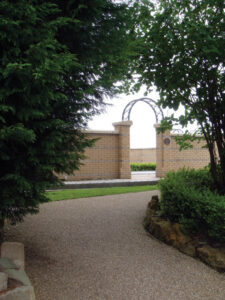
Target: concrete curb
{"x":12,"y":268}
{"x":107,"y":184}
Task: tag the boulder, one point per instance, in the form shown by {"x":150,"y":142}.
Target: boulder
{"x":154,"y":203}
{"x":215,"y":257}
{"x":159,"y":228}
{"x":182,"y":241}
{"x":172,"y":235}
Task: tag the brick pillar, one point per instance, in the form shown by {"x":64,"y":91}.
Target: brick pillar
{"x":124,"y":148}
{"x":160,"y":151}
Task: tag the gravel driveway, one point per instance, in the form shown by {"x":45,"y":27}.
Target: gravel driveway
{"x":96,"y":248}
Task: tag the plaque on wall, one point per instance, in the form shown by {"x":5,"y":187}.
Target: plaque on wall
{"x":167,"y":141}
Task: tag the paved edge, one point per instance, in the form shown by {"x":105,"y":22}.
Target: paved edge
{"x":81,"y":185}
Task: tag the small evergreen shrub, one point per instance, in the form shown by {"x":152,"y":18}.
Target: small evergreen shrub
{"x":143,"y":166}
{"x":187,"y":197}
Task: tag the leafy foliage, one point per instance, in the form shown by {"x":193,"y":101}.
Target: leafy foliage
{"x":143,"y":166}
{"x":58,"y":59}
{"x":187,"y":197}
{"x":182,"y":53}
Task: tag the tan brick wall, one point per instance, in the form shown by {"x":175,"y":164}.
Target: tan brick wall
{"x":143,"y":155}
{"x":109,"y":158}
{"x":124,"y":148}
{"x":169,"y":157}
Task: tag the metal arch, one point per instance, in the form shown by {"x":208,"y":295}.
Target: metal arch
{"x":154,"y":106}
{"x":177,"y":131}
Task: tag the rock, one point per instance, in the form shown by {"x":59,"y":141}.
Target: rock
{"x":182,"y":241}
{"x":215,"y":257}
{"x":3,"y":281}
{"x":152,"y":208}
{"x":172,"y":235}
{"x":188,"y":249}
{"x":158,"y":228}
{"x":154,"y":203}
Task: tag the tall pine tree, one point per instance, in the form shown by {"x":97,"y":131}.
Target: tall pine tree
{"x":58,"y":59}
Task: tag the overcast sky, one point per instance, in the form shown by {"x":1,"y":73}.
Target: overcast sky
{"x":142,"y":131}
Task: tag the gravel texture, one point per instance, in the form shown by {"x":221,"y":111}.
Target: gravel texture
{"x":96,"y":248}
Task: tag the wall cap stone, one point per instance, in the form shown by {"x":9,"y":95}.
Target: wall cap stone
{"x":15,"y":252}
{"x":153,"y":148}
{"x":3,"y":281}
{"x":19,"y":293}
{"x":123,"y":123}
{"x":11,"y":266}
{"x":6,"y":263}
{"x":89,"y":131}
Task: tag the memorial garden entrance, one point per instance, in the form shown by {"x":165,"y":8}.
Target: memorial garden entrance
{"x":109,"y":158}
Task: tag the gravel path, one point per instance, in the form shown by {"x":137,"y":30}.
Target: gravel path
{"x":96,"y":248}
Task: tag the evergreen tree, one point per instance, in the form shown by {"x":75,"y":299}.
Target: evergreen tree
{"x":58,"y":59}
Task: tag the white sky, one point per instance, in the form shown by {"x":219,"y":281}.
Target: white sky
{"x":142,"y":132}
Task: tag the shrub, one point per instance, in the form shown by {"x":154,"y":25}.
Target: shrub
{"x":187,"y":197}
{"x":151,"y":166}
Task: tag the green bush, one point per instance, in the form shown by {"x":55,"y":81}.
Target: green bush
{"x":187,"y":197}
{"x":143,"y":166}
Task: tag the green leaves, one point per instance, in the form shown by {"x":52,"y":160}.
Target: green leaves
{"x":147,"y":166}
{"x":58,"y":59}
{"x":17,"y":133}
{"x":183,"y":56}
{"x":187,"y":198}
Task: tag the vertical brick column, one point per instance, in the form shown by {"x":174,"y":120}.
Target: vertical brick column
{"x":124,"y":148}
{"x":160,"y":151}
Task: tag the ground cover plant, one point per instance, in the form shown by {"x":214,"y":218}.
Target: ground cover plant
{"x":148,"y":166}
{"x":94,"y":192}
{"x":189,"y":198}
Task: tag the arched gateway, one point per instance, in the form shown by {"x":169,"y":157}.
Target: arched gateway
{"x":168,"y":155}
{"x":154,"y":106}
{"x":145,"y":154}
{"x":109,"y":157}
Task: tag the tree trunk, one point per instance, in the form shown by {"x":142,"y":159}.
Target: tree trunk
{"x":221,"y":152}
{"x":2,"y":222}
{"x":213,"y":161}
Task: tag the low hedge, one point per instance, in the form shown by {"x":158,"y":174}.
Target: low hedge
{"x":143,"y":166}
{"x":187,"y":197}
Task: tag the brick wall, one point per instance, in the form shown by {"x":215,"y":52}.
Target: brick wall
{"x":169,"y":157}
{"x":143,"y":155}
{"x":109,"y":158}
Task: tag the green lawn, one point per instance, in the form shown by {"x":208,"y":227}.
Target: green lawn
{"x":93,"y":192}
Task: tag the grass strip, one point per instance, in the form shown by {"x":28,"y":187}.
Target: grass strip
{"x":94,"y":192}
